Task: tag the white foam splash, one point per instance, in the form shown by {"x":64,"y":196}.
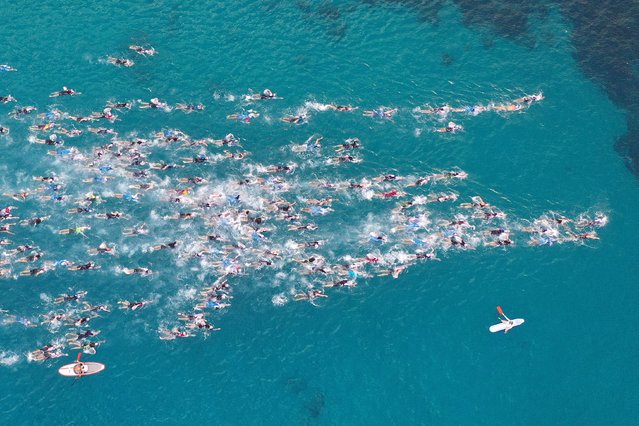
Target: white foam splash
{"x":279,"y":299}
{"x":8,"y":358}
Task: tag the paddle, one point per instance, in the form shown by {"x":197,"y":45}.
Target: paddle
{"x":501,"y":312}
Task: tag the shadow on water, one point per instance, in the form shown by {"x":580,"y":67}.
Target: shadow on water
{"x":311,"y":398}
{"x":327,"y":15}
{"x":606,"y":48}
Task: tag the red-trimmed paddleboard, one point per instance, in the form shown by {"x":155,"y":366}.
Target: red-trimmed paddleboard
{"x":502,"y":326}
{"x":79,"y":369}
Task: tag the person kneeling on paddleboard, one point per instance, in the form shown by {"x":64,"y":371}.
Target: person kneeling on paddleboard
{"x":506,"y":323}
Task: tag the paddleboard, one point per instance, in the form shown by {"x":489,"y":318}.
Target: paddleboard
{"x":81,"y":369}
{"x":502,"y":326}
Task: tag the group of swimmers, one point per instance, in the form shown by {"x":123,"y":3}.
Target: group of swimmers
{"x":126,"y":62}
{"x":441,"y":112}
{"x":254,"y":219}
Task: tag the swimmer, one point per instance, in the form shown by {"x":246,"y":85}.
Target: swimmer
{"x":387,"y":178}
{"x":351,"y":143}
{"x":120,"y":61}
{"x":477,"y":203}
{"x":129,"y":197}
{"x":456,"y":240}
{"x":72,"y":133}
{"x":33,"y":272}
{"x":86,"y":347}
{"x":154,"y":103}
{"x":301,"y":227}
{"x":451,"y":127}
{"x":584,"y":236}
{"x":441,"y":111}
{"x":77,"y":230}
{"x":449,"y":175}
{"x":381,"y":112}
{"x":78,"y":210}
{"x":341,"y":283}
{"x":6,"y":68}
{"x":142,"y":186}
{"x":7,"y":228}
{"x":198,"y":159}
{"x":125,"y":304}
{"x":74,"y":337}
{"x":188,"y":108}
{"x":137,"y":271}
{"x":144,"y":51}
{"x":46,"y":352}
{"x":164,"y":166}
{"x":503,"y":239}
{"x":5,"y":213}
{"x":87,"y":307}
{"x":23,"y":111}
{"x":473,"y":110}
{"x":489,"y":214}
{"x":170,"y":245}
{"x":106,"y":114}
{"x":12,"y":319}
{"x":245,"y":117}
{"x":4,"y":130}
{"x":43,"y":127}
{"x":310,"y":244}
{"x":172,"y":334}
{"x":102,"y":131}
{"x":341,"y":108}
{"x":376,"y":238}
{"x":506,"y":107}
{"x":89,"y":266}
{"x":182,"y":216}
{"x":49,"y":179}
{"x":289,"y":168}
{"x":20,"y":249}
{"x":197,"y":180}
{"x":19,"y":196}
{"x":236,"y":155}
{"x":64,"y":92}
{"x":228,"y":140}
{"x":70,"y":298}
{"x":529,"y":99}
{"x":51,"y":140}
{"x":266,"y":94}
{"x":7,"y":99}
{"x":309,"y":295}
{"x":212,"y":238}
{"x":211,"y":304}
{"x":309,"y":145}
{"x":120,"y":105}
{"x":390,"y":194}
{"x":80,"y":322}
{"x":295,"y":119}
{"x":343,"y":159}
{"x":138,"y":230}
{"x":599,"y":221}
{"x":81,"y":119}
{"x":30,"y":258}
{"x":111,"y":215}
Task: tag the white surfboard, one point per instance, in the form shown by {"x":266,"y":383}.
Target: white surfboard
{"x":502,"y":326}
{"x":78,"y":369}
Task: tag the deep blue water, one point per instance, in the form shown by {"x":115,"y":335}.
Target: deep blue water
{"x":412,"y":350}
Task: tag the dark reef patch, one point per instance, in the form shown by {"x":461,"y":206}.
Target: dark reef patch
{"x":606,"y":48}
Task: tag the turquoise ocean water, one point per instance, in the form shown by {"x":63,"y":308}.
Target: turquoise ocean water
{"x":412,"y":350}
